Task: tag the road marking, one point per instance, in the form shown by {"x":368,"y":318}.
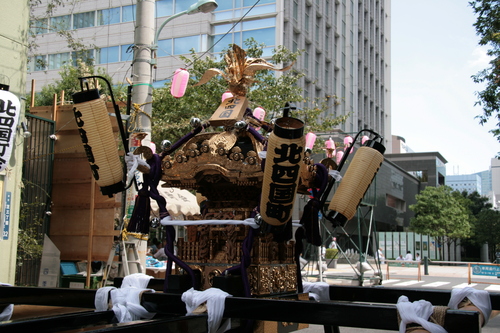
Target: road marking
{"x":435,"y":284}
{"x":463,"y":285}
{"x":493,"y":287}
{"x":408,"y":283}
{"x":389,"y":281}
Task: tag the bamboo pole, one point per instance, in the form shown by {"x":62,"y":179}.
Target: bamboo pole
{"x":91,"y":232}
{"x":32,"y":102}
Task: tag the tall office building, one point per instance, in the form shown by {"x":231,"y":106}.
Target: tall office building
{"x":467,"y":183}
{"x":346,"y":45}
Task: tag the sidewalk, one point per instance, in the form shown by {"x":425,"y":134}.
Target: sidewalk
{"x":345,"y":270}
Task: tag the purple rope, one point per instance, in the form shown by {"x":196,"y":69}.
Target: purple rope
{"x":139,"y":221}
{"x":246,"y":260}
{"x":169,"y":252}
{"x":309,"y":220}
{"x":256,"y":134}
{"x":183,"y":140}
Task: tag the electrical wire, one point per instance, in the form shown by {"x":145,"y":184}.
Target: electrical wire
{"x":210,"y":48}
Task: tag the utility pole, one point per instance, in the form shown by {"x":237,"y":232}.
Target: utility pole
{"x":141,"y":112}
{"x":144,"y":35}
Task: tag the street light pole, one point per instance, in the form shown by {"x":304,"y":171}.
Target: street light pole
{"x":145,"y":46}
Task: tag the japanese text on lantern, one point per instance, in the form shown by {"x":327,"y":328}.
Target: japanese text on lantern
{"x":86,"y":146}
{"x":285,"y":173}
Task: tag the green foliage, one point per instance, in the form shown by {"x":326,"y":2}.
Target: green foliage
{"x":270,"y":91}
{"x":487,"y":28}
{"x":441,"y":213}
{"x":29,"y":244}
{"x":487,"y":230}
{"x":331,"y":253}
{"x":485,"y":222}
{"x":70,"y":84}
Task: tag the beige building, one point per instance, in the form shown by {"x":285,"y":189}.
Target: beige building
{"x":14,"y":48}
{"x":346,"y":45}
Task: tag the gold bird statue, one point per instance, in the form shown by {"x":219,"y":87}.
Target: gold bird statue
{"x":240,"y":70}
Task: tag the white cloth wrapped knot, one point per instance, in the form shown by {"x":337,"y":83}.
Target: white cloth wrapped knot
{"x":320,"y":291}
{"x":6,"y":313}
{"x":417,"y":312}
{"x":480,"y":298}
{"x":127,"y":299}
{"x":101,"y":300}
{"x":215,"y":298}
{"x":133,"y":161}
{"x":335,"y":175}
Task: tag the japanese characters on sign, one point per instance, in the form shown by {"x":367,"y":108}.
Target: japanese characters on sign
{"x":6,"y":217}
{"x":9,"y":115}
{"x":229,"y":111}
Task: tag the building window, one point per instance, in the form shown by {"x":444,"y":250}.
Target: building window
{"x":420,"y":175}
{"x":183,"y":45}
{"x":60,"y":23}
{"x":395,"y":203}
{"x":37,"y":63}
{"x":86,"y":56}
{"x":108,"y":54}
{"x":164,"y":48}
{"x":128,"y":13}
{"x":39,"y":26}
{"x":266,"y":36}
{"x":57,"y":60}
{"x":247,"y":3}
{"x":165,"y":8}
{"x":126,"y":52}
{"x":83,"y":20}
{"x":108,"y":16}
{"x":263,"y":31}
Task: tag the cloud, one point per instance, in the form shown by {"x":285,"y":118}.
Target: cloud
{"x":479,"y":58}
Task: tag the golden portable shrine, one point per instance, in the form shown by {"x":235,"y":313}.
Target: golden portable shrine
{"x":249,"y":179}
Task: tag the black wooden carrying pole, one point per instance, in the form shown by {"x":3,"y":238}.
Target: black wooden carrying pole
{"x":348,"y":305}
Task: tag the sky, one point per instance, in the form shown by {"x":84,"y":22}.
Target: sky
{"x":434,"y":53}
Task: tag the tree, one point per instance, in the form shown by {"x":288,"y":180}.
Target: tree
{"x":487,"y":27}
{"x":476,"y":205}
{"x":487,"y":230}
{"x":440,"y":214}
{"x":39,"y":24}
{"x":171,"y":115}
{"x":70,"y":84}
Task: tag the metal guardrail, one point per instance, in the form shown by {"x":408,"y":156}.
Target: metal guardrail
{"x":404,"y":263}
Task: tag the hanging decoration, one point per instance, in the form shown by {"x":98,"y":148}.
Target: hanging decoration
{"x":96,"y":133}
{"x":358,"y":177}
{"x":226,"y":95}
{"x":330,"y":148}
{"x":260,"y":114}
{"x":310,"y":140}
{"x":281,"y":172}
{"x":347,"y":143}
{"x":179,"y":83}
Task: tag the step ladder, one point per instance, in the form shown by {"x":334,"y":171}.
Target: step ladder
{"x":127,"y":257}
{"x":127,"y":248}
